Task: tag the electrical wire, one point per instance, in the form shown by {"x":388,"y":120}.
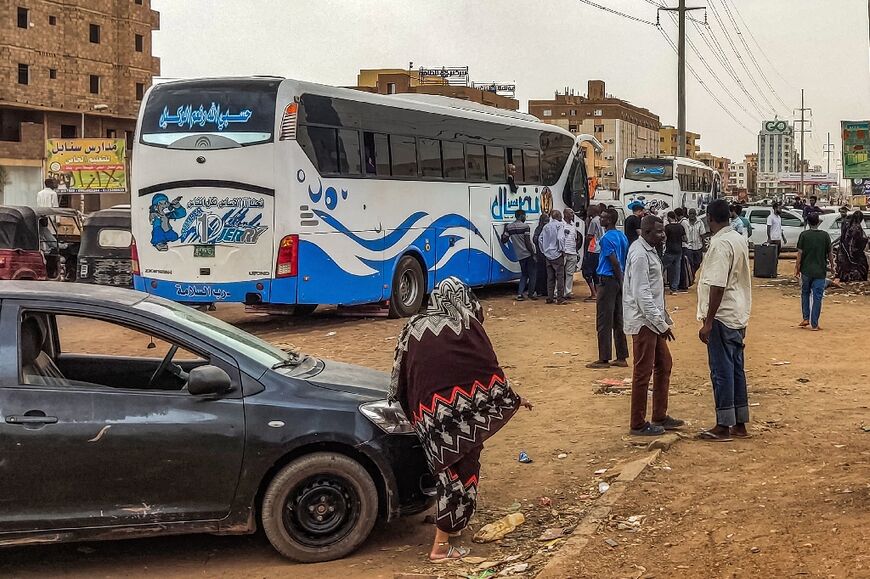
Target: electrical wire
{"x":704,"y":85}
{"x":618,"y":13}
{"x":760,"y":49}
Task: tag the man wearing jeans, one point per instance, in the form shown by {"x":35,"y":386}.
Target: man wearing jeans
{"x":724,"y":303}
{"x":608,"y":307}
{"x":649,"y":325}
{"x":553,"y":244}
{"x":815,"y":251}
{"x":518,"y":234}
{"x":572,"y":245}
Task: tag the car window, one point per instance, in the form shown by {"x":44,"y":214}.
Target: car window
{"x":114,"y":238}
{"x":759,"y":216}
{"x":71,"y":350}
{"x":791,"y":220}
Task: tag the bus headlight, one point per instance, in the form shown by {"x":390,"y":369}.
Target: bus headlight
{"x":388,"y":417}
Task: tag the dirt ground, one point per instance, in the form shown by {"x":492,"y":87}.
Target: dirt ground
{"x":793,"y":500}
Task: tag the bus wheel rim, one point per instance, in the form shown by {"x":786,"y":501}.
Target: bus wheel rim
{"x":408,"y":288}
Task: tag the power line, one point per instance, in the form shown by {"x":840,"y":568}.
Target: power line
{"x":739,"y":57}
{"x":618,"y":13}
{"x":760,"y":49}
{"x":704,"y":85}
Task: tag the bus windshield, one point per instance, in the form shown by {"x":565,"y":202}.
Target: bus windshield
{"x":649,"y":170}
{"x":179,"y":114}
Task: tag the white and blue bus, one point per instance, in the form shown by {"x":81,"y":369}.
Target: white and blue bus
{"x":274,"y":192}
{"x":665,"y":183}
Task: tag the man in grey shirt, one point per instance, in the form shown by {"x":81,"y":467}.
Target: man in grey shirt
{"x":646,"y":320}
{"x":518,"y":234}
{"x":553,"y":244}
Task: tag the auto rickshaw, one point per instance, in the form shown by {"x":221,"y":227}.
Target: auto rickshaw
{"x":60,"y":232}
{"x":104,"y":255}
{"x":20,"y":253}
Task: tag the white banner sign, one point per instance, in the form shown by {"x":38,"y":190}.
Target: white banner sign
{"x":809,"y":178}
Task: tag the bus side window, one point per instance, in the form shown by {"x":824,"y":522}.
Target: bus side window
{"x":321,"y":146}
{"x":349,"y":161}
{"x":515,"y":158}
{"x":453,"y":154}
{"x":403,"y":154}
{"x":376,"y":148}
{"x":495,"y":165}
{"x":430,"y":157}
{"x":532,"y":163}
{"x":475,"y":162}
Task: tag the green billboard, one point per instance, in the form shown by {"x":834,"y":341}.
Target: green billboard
{"x":856,"y":149}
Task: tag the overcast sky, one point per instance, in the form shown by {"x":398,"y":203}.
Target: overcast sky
{"x":545,"y":45}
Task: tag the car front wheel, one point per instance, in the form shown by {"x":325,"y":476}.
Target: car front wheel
{"x":319,"y":508}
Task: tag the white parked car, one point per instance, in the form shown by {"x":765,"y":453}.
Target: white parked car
{"x":831,"y":223}
{"x":792,"y":224}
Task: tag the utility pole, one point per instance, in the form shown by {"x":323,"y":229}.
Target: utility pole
{"x":681,"y":75}
{"x":803,"y":130}
{"x":828,"y":149}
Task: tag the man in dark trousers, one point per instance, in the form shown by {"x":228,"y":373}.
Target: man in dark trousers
{"x":608,"y":319}
{"x":518,"y":234}
{"x":649,"y":325}
{"x":724,"y":303}
{"x":815,"y":253}
{"x":632,"y":222}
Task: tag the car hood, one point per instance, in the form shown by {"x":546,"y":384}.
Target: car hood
{"x":357,"y":380}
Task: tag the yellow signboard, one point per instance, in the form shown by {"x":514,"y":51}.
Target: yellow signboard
{"x":87,"y":165}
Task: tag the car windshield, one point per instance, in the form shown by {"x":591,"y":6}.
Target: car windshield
{"x":219,"y":332}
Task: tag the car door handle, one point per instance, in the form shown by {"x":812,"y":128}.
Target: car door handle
{"x":31,"y":419}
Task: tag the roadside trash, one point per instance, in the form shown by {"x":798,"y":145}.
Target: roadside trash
{"x":564,"y":354}
{"x":473,"y":560}
{"x":866,"y":428}
{"x":554,"y":533}
{"x":755,"y":404}
{"x":803,"y":380}
{"x":600,"y":471}
{"x":500,"y":528}
{"x":780,"y":363}
{"x":611,"y":543}
{"x":514,"y":569}
{"x":515,"y":506}
{"x":562,"y":455}
{"x":485,"y":574}
{"x":755,"y":550}
{"x":839,"y":446}
{"x":524,"y":458}
{"x":545,"y":501}
{"x":612,"y":386}
{"x":603,"y":487}
{"x":330,"y":334}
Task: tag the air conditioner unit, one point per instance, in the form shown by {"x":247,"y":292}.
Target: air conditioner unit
{"x":609,"y":174}
{"x":608,"y":157}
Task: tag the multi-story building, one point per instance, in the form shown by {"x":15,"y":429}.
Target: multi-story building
{"x":624,"y":130}
{"x":722,"y":165}
{"x":73,"y":68}
{"x":742,"y":176}
{"x":776,"y":154}
{"x":668,"y":142}
{"x":397,"y":80}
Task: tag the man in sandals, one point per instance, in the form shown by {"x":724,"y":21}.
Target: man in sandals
{"x":647,"y":321}
{"x":724,"y":302}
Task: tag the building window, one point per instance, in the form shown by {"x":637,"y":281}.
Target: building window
{"x":111,"y":133}
{"x":598,"y":112}
{"x":52,"y":20}
{"x":548,"y":112}
{"x":95,"y":84}
{"x":391,"y":88}
{"x":23,"y":17}
{"x":95,"y":33}
{"x":52,"y":73}
{"x":573,"y":112}
{"x":140,"y":90}
{"x":572,"y":128}
{"x":23,"y":73}
{"x":69,"y":131}
{"x":139,"y":41}
{"x":599,"y":128}
{"x":139,"y":2}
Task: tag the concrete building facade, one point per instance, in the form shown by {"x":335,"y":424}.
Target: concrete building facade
{"x":73,"y":68}
{"x":722,"y":165}
{"x":668,"y":142}
{"x":776,"y":154}
{"x":624,"y":130}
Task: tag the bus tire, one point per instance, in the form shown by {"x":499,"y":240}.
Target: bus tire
{"x":303,"y":310}
{"x":409,"y":288}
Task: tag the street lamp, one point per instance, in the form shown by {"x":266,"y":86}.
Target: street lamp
{"x":100,"y":107}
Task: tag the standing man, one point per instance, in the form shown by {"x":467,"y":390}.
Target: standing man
{"x":775,"y":235}
{"x":724,"y":303}
{"x":518,"y":234}
{"x":815,"y":250}
{"x":593,"y":251}
{"x":648,"y":323}
{"x":608,"y":318}
{"x":553,"y":242}
{"x":694,"y":244}
{"x":47,"y":197}
{"x":672,"y":260}
{"x":632,"y":222}
{"x":572,"y":246}
{"x":811,"y":208}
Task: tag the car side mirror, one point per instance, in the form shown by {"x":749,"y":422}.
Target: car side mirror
{"x":208,"y":380}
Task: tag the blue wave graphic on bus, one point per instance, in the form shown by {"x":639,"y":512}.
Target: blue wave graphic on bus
{"x":191,"y":117}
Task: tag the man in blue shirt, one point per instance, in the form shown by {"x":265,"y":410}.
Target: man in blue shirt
{"x":608,"y":319}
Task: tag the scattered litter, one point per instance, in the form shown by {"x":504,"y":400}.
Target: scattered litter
{"x":485,"y":574}
{"x":555,"y":533}
{"x":514,"y":569}
{"x":755,"y":404}
{"x":865,"y":428}
{"x":564,"y":354}
{"x":500,"y":528}
{"x":611,"y":543}
{"x":562,"y":455}
{"x":330,"y":334}
{"x":612,"y":386}
{"x":524,"y":458}
{"x":839,"y":446}
{"x":755,"y":550}
{"x":803,"y":380}
{"x":600,"y":471}
{"x":780,"y":363}
{"x":389,"y":338}
{"x":603,"y":487}
{"x":545,"y":501}
{"x":473,"y":560}
{"x":515,"y":506}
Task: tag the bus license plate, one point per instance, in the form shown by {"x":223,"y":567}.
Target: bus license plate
{"x":203,"y":251}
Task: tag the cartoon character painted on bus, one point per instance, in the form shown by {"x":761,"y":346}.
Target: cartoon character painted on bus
{"x":160,"y":214}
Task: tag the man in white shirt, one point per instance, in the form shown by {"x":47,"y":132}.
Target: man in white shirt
{"x":646,"y":320}
{"x":694,"y":245}
{"x":572,"y":245}
{"x":775,"y":235}
{"x":47,"y":197}
{"x":553,"y":247}
{"x":724,"y":303}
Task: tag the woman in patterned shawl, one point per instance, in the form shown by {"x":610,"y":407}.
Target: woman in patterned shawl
{"x":851,"y":259}
{"x":447,"y":379}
